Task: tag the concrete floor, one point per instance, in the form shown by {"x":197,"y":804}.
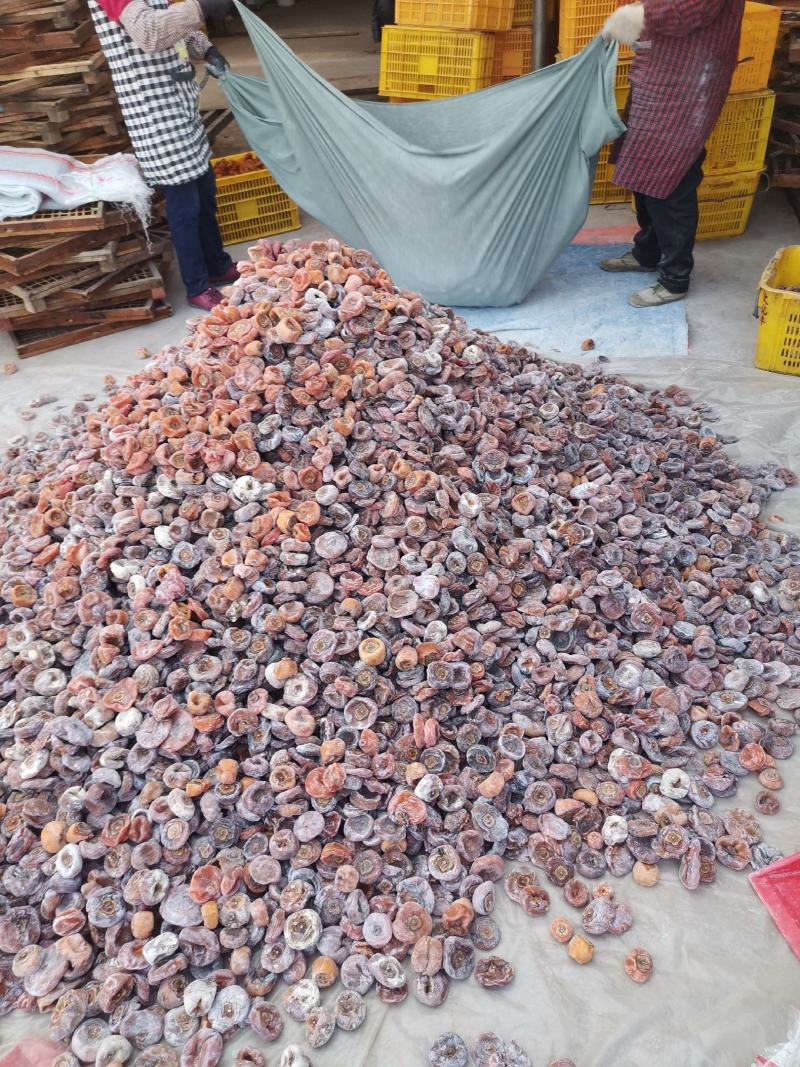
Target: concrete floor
{"x":763,"y":409}
{"x":336,"y":42}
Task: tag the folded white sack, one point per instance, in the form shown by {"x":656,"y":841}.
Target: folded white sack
{"x":32,"y":179}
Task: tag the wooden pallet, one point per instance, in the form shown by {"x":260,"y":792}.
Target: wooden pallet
{"x":88,"y":68}
{"x":46,"y":40}
{"x":35,"y":342}
{"x":70,"y":276}
{"x":59,"y":14}
{"x":20,"y":298}
{"x":105,"y":249}
{"x":137,"y":274}
{"x":97,"y":216}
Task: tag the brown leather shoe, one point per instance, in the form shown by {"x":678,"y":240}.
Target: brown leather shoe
{"x":624,"y":264}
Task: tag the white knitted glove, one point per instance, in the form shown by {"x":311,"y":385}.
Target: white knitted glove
{"x":625,"y":24}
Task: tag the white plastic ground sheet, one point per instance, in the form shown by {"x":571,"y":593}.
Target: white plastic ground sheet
{"x":725,"y":981}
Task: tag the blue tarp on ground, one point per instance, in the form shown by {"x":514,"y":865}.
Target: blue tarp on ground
{"x":576,"y":301}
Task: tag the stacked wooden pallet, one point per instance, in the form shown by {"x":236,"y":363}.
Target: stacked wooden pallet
{"x":70,"y":276}
{"x":55,"y":88}
{"x":784,"y":146}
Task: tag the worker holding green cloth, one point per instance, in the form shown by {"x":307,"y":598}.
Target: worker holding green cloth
{"x":686,"y":54}
{"x":148,"y":45}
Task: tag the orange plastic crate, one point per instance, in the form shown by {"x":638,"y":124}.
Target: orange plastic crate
{"x":523,"y":13}
{"x":495,"y":15}
{"x":513,"y":54}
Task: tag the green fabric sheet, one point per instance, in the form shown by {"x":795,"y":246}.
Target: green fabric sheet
{"x":467,"y":200}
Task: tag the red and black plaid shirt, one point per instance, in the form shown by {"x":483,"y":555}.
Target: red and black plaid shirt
{"x":678,"y":87}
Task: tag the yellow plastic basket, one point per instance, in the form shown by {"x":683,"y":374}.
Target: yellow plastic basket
{"x":455,"y":14}
{"x":621,"y":83}
{"x":252,"y":205}
{"x":739,"y":140}
{"x":760,"y":25}
{"x":604,"y":191}
{"x":513,"y":54}
{"x":424,"y":64}
{"x":778,"y":345}
{"x":579,"y":21}
{"x":725,"y":202}
{"x":523,"y":13}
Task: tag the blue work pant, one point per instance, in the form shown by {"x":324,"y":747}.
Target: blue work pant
{"x":192,"y":217}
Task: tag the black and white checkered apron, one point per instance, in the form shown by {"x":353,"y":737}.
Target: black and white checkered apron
{"x":161,"y":114}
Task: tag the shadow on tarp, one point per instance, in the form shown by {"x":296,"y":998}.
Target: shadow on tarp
{"x":576,"y":301}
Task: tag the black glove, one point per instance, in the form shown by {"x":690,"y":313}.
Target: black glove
{"x":215,"y":9}
{"x":216,"y":62}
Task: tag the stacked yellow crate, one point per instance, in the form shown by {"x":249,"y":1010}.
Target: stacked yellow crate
{"x":736,"y":148}
{"x":513,"y":50}
{"x":441,"y":48}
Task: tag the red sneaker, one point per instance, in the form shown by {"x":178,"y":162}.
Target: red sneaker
{"x":208,"y":300}
{"x":231,"y":275}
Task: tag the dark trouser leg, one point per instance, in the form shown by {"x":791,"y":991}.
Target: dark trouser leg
{"x":675,"y":223}
{"x":183,"y":215}
{"x":645,"y":244}
{"x":216,"y":258}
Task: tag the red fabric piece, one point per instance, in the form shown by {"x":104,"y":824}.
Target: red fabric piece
{"x":35,"y":1052}
{"x":605,"y":235}
{"x":778,"y":886}
{"x":113,"y":8}
{"x":678,"y":87}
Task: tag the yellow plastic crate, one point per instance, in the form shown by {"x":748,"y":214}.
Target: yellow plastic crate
{"x":523,"y":13}
{"x":604,"y":191}
{"x":513,"y":54}
{"x":621,"y":83}
{"x":425,"y":64}
{"x":725,"y":204}
{"x":252,"y":205}
{"x":579,"y":21}
{"x":778,"y":345}
{"x":739,"y":140}
{"x":455,"y":14}
{"x":760,"y":25}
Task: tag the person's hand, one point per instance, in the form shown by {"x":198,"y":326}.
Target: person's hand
{"x":625,"y":24}
{"x":214,"y":9}
{"x":216,"y":61}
